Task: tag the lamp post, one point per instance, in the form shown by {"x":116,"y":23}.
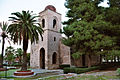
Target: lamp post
{"x":101,"y":49}
{"x":6,"y":70}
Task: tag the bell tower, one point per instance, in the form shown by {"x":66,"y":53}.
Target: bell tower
{"x":51,"y":24}
{"x":48,"y":46}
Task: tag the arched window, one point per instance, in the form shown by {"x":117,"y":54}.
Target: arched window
{"x":54,"y":23}
{"x":43,"y":23}
{"x":42,"y":38}
{"x":54,"y":58}
{"x":54,"y":38}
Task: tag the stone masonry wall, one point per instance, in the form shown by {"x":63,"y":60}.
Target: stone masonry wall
{"x":64,"y":54}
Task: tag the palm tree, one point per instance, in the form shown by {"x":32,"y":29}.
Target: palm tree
{"x":3,"y":27}
{"x":24,"y":27}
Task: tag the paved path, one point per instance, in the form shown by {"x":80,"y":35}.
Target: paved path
{"x":107,"y":73}
{"x":46,"y":71}
{"x":69,"y":75}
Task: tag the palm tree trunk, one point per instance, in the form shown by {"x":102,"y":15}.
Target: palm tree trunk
{"x":24,"y":62}
{"x":1,"y":61}
{"x":25,"y":46}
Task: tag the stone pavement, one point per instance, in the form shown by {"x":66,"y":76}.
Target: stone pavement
{"x":46,"y":71}
{"x":69,"y":75}
{"x":109,"y":73}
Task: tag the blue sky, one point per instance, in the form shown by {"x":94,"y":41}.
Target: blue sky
{"x":9,"y":6}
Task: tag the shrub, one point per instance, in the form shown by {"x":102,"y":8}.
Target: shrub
{"x":16,"y":64}
{"x":13,"y":64}
{"x":64,"y":65}
{"x":108,"y":65}
{"x":79,"y":70}
{"x":118,"y":71}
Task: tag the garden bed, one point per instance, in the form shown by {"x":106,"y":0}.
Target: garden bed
{"x":23,"y":73}
{"x":3,"y":69}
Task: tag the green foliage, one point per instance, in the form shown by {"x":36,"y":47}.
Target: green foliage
{"x":3,"y":27}
{"x":114,"y":3}
{"x":16,"y":64}
{"x":91,"y":28}
{"x":77,"y":55}
{"x":68,"y":31}
{"x":19,"y":52}
{"x":10,"y":54}
{"x":109,"y":24}
{"x":28,"y":58}
{"x":24,"y":27}
{"x":9,"y":73}
{"x":64,"y":65}
{"x":118,"y":71}
{"x":79,"y":70}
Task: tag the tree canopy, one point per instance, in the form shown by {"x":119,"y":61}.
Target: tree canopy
{"x":88,"y":28}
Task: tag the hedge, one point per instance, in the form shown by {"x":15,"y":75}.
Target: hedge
{"x":79,"y":70}
{"x":64,"y":65}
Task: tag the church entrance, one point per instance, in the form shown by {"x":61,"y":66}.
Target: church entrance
{"x":42,"y":58}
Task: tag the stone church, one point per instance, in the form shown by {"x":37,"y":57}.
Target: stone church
{"x":49,"y":52}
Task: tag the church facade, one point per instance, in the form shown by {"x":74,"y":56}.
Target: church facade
{"x":49,"y":52}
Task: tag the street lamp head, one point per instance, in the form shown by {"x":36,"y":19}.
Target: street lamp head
{"x":101,"y":49}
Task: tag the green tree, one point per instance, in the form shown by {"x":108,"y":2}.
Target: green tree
{"x":10,"y":54}
{"x":19,"y":54}
{"x":82,"y":34}
{"x":112,"y":17}
{"x":24,"y":27}
{"x":3,"y":27}
{"x":114,"y":3}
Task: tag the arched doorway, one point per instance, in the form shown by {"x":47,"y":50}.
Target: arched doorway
{"x":42,"y":58}
{"x":54,"y":58}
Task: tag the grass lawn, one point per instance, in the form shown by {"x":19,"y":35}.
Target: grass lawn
{"x":9,"y":72}
{"x":83,"y":77}
{"x":86,"y":78}
{"x":73,"y":78}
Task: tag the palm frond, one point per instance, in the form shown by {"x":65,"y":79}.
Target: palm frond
{"x":4,"y":26}
{"x":24,"y":24}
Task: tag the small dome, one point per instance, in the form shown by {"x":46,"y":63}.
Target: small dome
{"x":50,"y":7}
